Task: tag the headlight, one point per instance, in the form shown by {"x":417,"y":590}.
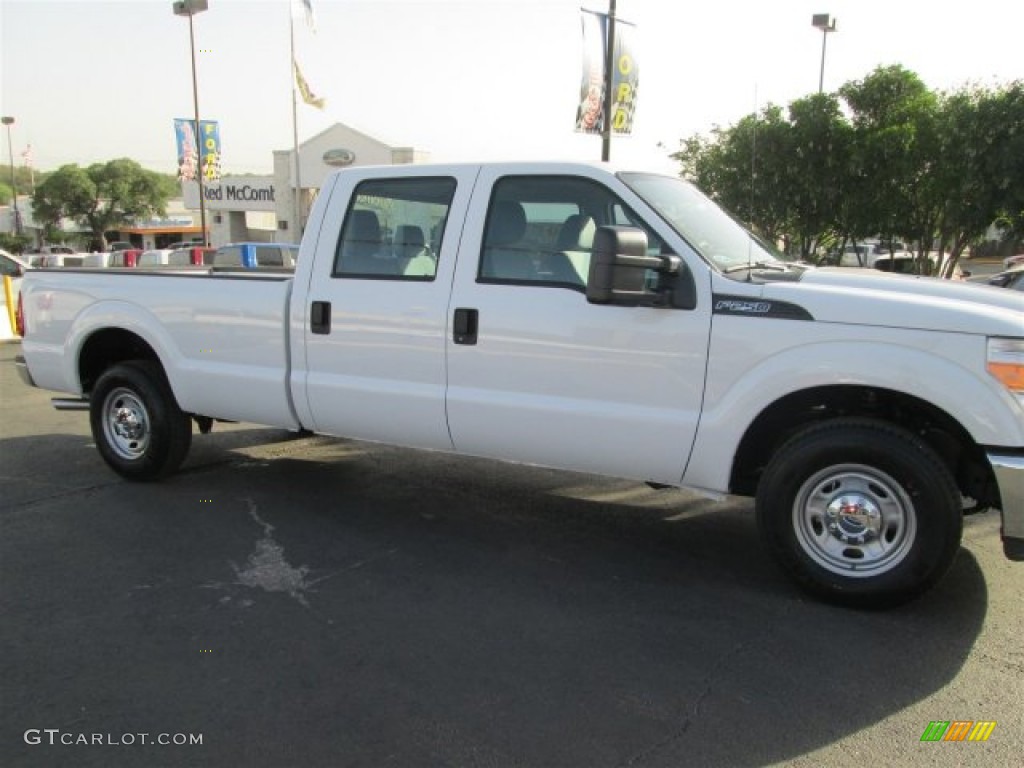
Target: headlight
{"x":1005,"y":361}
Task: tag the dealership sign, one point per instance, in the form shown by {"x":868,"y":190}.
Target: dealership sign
{"x":233,"y":193}
{"x":339,"y":157}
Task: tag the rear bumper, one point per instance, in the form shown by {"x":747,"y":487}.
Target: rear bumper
{"x":22,"y":368}
{"x":1009,"y":472}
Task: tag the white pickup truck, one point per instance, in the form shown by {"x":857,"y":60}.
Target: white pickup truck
{"x":584,"y":318}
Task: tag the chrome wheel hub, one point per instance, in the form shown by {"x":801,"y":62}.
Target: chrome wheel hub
{"x":126,"y":424}
{"x":854,"y":520}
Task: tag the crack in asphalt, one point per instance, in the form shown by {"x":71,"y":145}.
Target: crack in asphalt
{"x":708,"y":688}
{"x":641,"y":757}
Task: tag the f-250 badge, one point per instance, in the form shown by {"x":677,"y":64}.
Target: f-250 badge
{"x":745,"y":307}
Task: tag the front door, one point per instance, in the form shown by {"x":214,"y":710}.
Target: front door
{"x":539,"y":375}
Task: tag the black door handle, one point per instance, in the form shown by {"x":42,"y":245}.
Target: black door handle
{"x":320,"y":317}
{"x":465,"y":325}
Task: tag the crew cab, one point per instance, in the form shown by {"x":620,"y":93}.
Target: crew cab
{"x":584,"y":318}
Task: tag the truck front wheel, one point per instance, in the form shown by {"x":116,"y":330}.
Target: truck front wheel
{"x":860,"y":512}
{"x":137,"y":426}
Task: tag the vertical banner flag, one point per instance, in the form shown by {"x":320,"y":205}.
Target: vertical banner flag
{"x":625,"y":76}
{"x":185,"y":136}
{"x":210,"y":135}
{"x":307,"y":95}
{"x":190,"y":165}
{"x":589,"y":113}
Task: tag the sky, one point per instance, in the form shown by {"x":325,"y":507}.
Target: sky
{"x":464,"y":80}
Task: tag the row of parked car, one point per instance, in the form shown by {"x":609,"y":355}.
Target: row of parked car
{"x":233,"y":255}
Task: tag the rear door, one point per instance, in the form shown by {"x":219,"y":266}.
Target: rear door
{"x":539,"y":375}
{"x":375,"y":316}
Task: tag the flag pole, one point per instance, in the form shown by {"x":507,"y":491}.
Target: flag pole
{"x":297,"y":197}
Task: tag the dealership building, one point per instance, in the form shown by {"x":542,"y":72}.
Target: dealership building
{"x":262,"y":208}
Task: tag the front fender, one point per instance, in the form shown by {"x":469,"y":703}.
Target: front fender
{"x":945,"y":370}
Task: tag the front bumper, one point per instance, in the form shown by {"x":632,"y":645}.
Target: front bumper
{"x":22,"y":368}
{"x":1009,"y":472}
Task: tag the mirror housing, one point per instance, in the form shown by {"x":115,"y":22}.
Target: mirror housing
{"x":618,"y":272}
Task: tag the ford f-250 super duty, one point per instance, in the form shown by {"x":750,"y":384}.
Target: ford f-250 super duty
{"x":577,"y":317}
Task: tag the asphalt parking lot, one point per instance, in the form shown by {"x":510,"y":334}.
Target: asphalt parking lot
{"x":320,"y":602}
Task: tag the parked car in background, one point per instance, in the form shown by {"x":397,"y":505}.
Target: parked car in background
{"x":1013,"y":261}
{"x":120,"y":245}
{"x":126,"y":257}
{"x":95,"y":260}
{"x":157,"y":257}
{"x":196,"y":241}
{"x":907,"y":263}
{"x":48,"y":249}
{"x":867,"y":253}
{"x":195,"y":256}
{"x":52,"y":260}
{"x":256,"y":255}
{"x":1011,"y":278}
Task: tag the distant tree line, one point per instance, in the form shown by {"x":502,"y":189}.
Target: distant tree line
{"x":883,"y":157}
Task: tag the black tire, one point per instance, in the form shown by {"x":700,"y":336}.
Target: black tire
{"x":137,"y":426}
{"x":860,"y":512}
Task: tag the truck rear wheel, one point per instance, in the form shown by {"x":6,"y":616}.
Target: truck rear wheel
{"x":137,"y":426}
{"x":860,"y":512}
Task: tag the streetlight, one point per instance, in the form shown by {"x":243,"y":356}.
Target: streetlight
{"x":190,"y":8}
{"x":609,"y":59}
{"x":826,"y":24}
{"x":9,"y":121}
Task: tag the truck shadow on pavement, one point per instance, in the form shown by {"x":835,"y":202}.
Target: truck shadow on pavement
{"x":465,"y":612}
{"x":550,"y":618}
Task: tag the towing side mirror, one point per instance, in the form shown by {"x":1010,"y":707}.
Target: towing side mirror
{"x":620,"y":271}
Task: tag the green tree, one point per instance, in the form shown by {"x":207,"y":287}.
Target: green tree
{"x":741,"y":169}
{"x":818,"y":166}
{"x":893,"y":115}
{"x":24,"y":177}
{"x":103,"y":196}
{"x":900,"y":162}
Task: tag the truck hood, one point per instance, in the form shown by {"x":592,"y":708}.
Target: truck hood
{"x":870,"y":297}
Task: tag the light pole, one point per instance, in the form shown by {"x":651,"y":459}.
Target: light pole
{"x":826,"y":24}
{"x":190,"y":8}
{"x":609,"y":63}
{"x":9,"y":121}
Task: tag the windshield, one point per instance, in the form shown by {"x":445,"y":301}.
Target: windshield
{"x":712,"y":232}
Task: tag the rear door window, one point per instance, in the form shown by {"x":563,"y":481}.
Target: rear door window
{"x":394,"y":228}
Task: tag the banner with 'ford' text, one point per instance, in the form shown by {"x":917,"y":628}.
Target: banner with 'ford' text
{"x":625,"y":76}
{"x":207,"y":161}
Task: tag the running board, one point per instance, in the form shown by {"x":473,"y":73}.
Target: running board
{"x":70,"y":404}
